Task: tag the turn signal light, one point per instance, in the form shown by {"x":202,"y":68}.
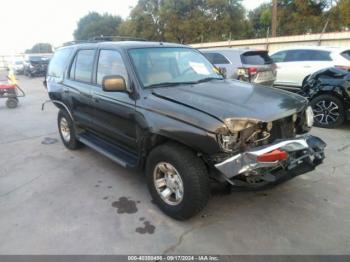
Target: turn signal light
{"x":273,"y":156}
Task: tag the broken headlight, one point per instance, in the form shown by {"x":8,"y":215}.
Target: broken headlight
{"x":309,"y":117}
{"x":237,"y":134}
{"x":239,"y":124}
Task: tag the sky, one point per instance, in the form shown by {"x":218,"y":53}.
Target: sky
{"x":26,"y":22}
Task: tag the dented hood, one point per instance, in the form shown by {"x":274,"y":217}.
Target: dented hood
{"x":224,"y":99}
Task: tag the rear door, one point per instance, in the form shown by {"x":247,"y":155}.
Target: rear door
{"x":113,"y":111}
{"x":78,"y":85}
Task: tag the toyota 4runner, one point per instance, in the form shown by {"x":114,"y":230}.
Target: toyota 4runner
{"x":164,"y":108}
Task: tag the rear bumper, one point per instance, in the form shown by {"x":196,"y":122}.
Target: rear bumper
{"x":306,"y":150}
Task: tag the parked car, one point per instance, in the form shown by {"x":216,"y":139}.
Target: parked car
{"x":163,"y":108}
{"x":17,"y":66}
{"x":294,"y":65}
{"x":35,"y":65}
{"x":329,"y":93}
{"x":243,"y":64}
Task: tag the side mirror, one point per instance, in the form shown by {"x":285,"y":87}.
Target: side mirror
{"x":113,"y":83}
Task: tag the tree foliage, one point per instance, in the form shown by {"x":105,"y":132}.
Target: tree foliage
{"x":193,"y":21}
{"x":94,"y":24}
{"x":40,"y":48}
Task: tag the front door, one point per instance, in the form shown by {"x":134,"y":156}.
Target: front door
{"x":113,"y":111}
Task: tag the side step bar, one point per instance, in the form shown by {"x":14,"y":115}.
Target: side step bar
{"x":112,"y":151}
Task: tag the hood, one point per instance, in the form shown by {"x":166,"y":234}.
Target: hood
{"x":224,"y":99}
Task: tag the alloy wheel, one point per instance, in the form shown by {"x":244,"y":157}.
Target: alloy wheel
{"x":326,"y":112}
{"x":168,"y":183}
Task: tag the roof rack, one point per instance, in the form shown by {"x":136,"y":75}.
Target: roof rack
{"x":102,"y":38}
{"x":117,"y":38}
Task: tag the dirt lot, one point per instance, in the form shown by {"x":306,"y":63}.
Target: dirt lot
{"x":55,"y":201}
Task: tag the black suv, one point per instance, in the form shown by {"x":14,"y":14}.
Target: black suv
{"x":164,"y":108}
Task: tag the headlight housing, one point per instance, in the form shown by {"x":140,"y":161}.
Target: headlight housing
{"x":239,"y":124}
{"x":309,"y":117}
{"x":230,"y":133}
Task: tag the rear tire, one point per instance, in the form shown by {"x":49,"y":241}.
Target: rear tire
{"x":12,"y":102}
{"x":328,"y":111}
{"x":174,"y":161}
{"x":67,"y":131}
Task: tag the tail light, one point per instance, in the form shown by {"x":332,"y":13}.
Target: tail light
{"x":247,"y":73}
{"x":252,"y":71}
{"x":273,"y":156}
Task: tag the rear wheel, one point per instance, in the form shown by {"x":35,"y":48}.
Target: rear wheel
{"x":12,"y":102}
{"x":177,"y":180}
{"x":67,"y":131}
{"x":328,"y":111}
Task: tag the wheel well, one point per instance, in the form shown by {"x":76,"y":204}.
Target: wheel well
{"x":154,"y":140}
{"x":302,"y":83}
{"x":331,"y":93}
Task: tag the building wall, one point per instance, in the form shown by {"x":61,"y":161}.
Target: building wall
{"x":272,"y":44}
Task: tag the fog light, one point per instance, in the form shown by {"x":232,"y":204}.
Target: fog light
{"x":273,"y":156}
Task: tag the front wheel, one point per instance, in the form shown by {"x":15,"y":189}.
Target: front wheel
{"x":67,"y":131}
{"x":328,"y":111}
{"x":177,"y":180}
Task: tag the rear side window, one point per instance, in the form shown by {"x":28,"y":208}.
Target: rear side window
{"x":216,"y":58}
{"x":59,"y":62}
{"x":110,"y":62}
{"x":82,"y":66}
{"x":279,"y":57}
{"x":346,"y":54}
{"x":307,"y":55}
{"x":256,"y":58}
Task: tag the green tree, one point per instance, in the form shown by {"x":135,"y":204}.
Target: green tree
{"x":187,"y":21}
{"x":40,"y":48}
{"x":260,"y":20}
{"x":339,"y":16}
{"x":301,"y":16}
{"x":94,"y":24}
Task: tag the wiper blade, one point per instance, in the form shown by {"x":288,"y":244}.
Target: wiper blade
{"x":207,"y":79}
{"x":166,"y":84}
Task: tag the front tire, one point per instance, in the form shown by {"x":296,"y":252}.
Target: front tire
{"x":328,"y":111}
{"x":177,"y":180}
{"x":67,"y":131}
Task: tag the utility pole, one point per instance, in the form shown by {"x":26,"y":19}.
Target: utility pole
{"x":274,"y":18}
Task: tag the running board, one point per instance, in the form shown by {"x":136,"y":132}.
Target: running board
{"x":112,"y":151}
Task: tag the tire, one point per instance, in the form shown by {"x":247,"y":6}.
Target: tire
{"x":193,"y":176}
{"x":328,"y":111}
{"x":12,"y":102}
{"x":67,"y":131}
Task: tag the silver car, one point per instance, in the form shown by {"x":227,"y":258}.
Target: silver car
{"x":250,"y":65}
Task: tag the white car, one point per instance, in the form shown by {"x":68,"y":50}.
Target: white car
{"x":295,"y":64}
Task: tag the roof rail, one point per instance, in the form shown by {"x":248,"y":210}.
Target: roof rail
{"x":102,"y":38}
{"x":117,"y":38}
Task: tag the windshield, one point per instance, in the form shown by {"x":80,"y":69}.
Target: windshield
{"x":171,"y":65}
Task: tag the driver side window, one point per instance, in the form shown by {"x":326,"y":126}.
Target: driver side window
{"x":109,"y":63}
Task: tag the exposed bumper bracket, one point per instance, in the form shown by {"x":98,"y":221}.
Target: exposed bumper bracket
{"x":312,"y":149}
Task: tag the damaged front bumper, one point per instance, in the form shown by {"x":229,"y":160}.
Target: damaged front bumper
{"x":303,"y":151}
